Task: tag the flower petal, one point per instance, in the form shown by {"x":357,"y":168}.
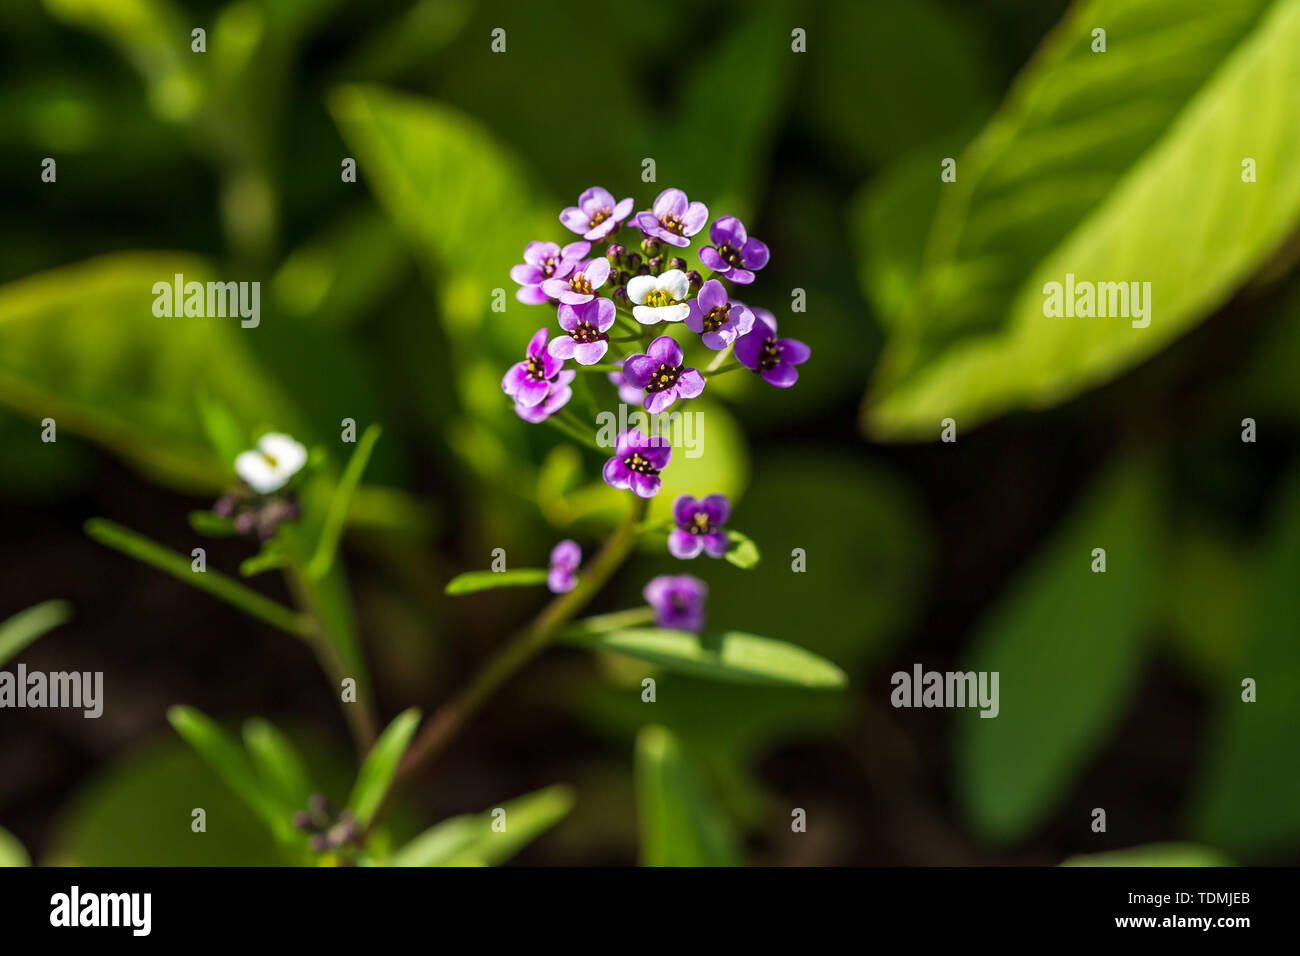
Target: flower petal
{"x":645,"y":486}
{"x":670,"y":201}
{"x":616,"y":474}
{"x":749,"y":348}
{"x":639,"y":369}
{"x":782,"y":375}
{"x":676,"y":283}
{"x":793,"y":351}
{"x":694,"y":218}
{"x":562,"y":347}
{"x":682,"y":544}
{"x":728,"y":229}
{"x":754,"y":255}
{"x":717,"y":507}
{"x":691,"y":384}
{"x":638,"y":287}
{"x":715,"y":543}
{"x":665,"y":351}
{"x":258,"y":473}
{"x":574,"y":219}
{"x":589,"y":353}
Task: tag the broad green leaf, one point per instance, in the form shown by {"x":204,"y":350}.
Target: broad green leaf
{"x":473,"y":581}
{"x":736,"y":657}
{"x":279,"y":766}
{"x":81,"y":344}
{"x":26,"y":626}
{"x":181,"y":567}
{"x":1087,"y":169}
{"x":224,"y":755}
{"x":1067,"y":644}
{"x":1154,"y":854}
{"x":376,"y":774}
{"x":1248,"y":796}
{"x":679,"y":825}
{"x":473,"y":840}
{"x":12,"y":851}
{"x":743,"y":552}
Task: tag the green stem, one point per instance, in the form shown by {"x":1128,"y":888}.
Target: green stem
{"x":729,"y":367}
{"x":718,"y":359}
{"x":452,"y":716}
{"x":602,"y":367}
{"x":572,"y":430}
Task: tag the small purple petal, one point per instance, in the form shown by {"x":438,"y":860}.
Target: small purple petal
{"x":693,"y":220}
{"x":684,"y":508}
{"x":574,"y":219}
{"x":666,"y":351}
{"x":782,"y":376}
{"x":690,"y":384}
{"x":616,"y":474}
{"x":566,"y":554}
{"x":562,"y":347}
{"x":561,"y":580}
{"x":656,"y":402}
{"x":670,"y":202}
{"x":793,"y":351}
{"x":728,"y":229}
{"x":645,"y":486}
{"x":754,"y":255}
{"x":588,"y":353}
{"x":715,"y":543}
{"x":717,"y":507}
{"x":682,"y":544}
{"x":638,"y":369}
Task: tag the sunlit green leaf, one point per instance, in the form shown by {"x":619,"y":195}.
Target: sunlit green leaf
{"x":26,"y":626}
{"x":380,"y":765}
{"x":480,"y":840}
{"x":679,"y":825}
{"x":279,"y":766}
{"x":472,"y":581}
{"x":12,"y":852}
{"x":743,"y":552}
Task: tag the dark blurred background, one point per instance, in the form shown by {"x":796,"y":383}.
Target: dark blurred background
{"x":916,"y":552}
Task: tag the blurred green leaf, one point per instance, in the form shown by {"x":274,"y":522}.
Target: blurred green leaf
{"x":736,"y":657}
{"x":12,"y":852}
{"x":336,"y":516}
{"x":471,"y":840}
{"x":224,"y":755}
{"x":279,"y":766}
{"x":1154,"y":854}
{"x":229,"y":438}
{"x":1077,"y":174}
{"x":211,"y":525}
{"x":26,"y":626}
{"x":376,"y":773}
{"x":743,"y":552}
{"x":679,"y":825}
{"x":1247,"y":797}
{"x":271,"y":557}
{"x":80,"y":344}
{"x":473,"y":581}
{"x":1067,"y":644}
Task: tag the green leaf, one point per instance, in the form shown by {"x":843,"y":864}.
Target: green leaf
{"x":335,"y":518}
{"x":471,"y":840}
{"x":211,"y":525}
{"x":376,"y":774}
{"x":26,"y":626}
{"x":736,"y":657}
{"x":81,"y":344}
{"x":229,"y":438}
{"x":1247,"y":797}
{"x":743,"y":552}
{"x":271,"y":557}
{"x":224,"y":755}
{"x":1086,"y":170}
{"x":472,"y":581}
{"x":1154,"y":854}
{"x":1067,"y":644}
{"x":12,"y":852}
{"x":679,"y":825}
{"x":180,"y":567}
{"x":279,"y":766}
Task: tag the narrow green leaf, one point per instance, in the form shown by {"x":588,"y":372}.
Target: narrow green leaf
{"x":269,"y":558}
{"x":229,"y":438}
{"x":1067,"y":643}
{"x":1154,"y":854}
{"x":679,"y":825}
{"x":180,"y":567}
{"x":211,"y":525}
{"x":472,"y":581}
{"x":26,"y":626}
{"x":479,"y":840}
{"x":224,"y":755}
{"x":376,"y":774}
{"x":743,"y":552}
{"x":279,"y":766}
{"x":737,"y":657}
{"x":12,"y":851}
{"x":337,"y":515}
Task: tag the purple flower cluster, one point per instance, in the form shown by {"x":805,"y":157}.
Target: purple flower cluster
{"x":604,"y":300}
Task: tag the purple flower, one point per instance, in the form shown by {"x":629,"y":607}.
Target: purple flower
{"x":628,"y":394}
{"x":581,"y":286}
{"x":674,"y":218}
{"x":720,"y":322}
{"x":699,"y":526}
{"x":586,"y":324}
{"x":596,"y":215}
{"x":528,"y":382}
{"x":678,"y":601}
{"x":637,"y":462}
{"x":736,"y":255}
{"x":542,"y":261}
{"x":563,"y":575}
{"x":775,"y":359}
{"x":659,"y":371}
{"x":557,"y":396}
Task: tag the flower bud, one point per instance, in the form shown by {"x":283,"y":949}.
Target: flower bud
{"x":643,"y":271}
{"x":656,"y":264}
{"x":622,"y":277}
{"x":633,"y":262}
{"x":302,"y":821}
{"x":651,"y":246}
{"x":615,"y":252}
{"x":619,"y":297}
{"x":695,"y":279}
{"x":677,"y":262}
{"x":225,"y":506}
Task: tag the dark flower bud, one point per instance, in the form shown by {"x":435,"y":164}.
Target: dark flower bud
{"x":656,"y":264}
{"x":622,"y":278}
{"x":302,"y":821}
{"x":225,"y":506}
{"x":245,"y":522}
{"x":651,"y":246}
{"x":615,"y":252}
{"x":643,"y":271}
{"x":319,"y":843}
{"x":695,"y":279}
{"x":633,"y":262}
{"x":619,"y":296}
{"x":677,"y":262}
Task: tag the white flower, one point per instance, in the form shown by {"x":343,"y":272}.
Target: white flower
{"x":660,"y":298}
{"x":276,"y":459}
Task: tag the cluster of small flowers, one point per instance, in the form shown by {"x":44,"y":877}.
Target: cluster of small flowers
{"x":590,"y":292}
{"x":339,"y":835}
{"x":261,"y":503}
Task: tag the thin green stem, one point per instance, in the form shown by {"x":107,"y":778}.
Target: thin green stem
{"x":729,"y":367}
{"x":600,"y":367}
{"x":505,"y":663}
